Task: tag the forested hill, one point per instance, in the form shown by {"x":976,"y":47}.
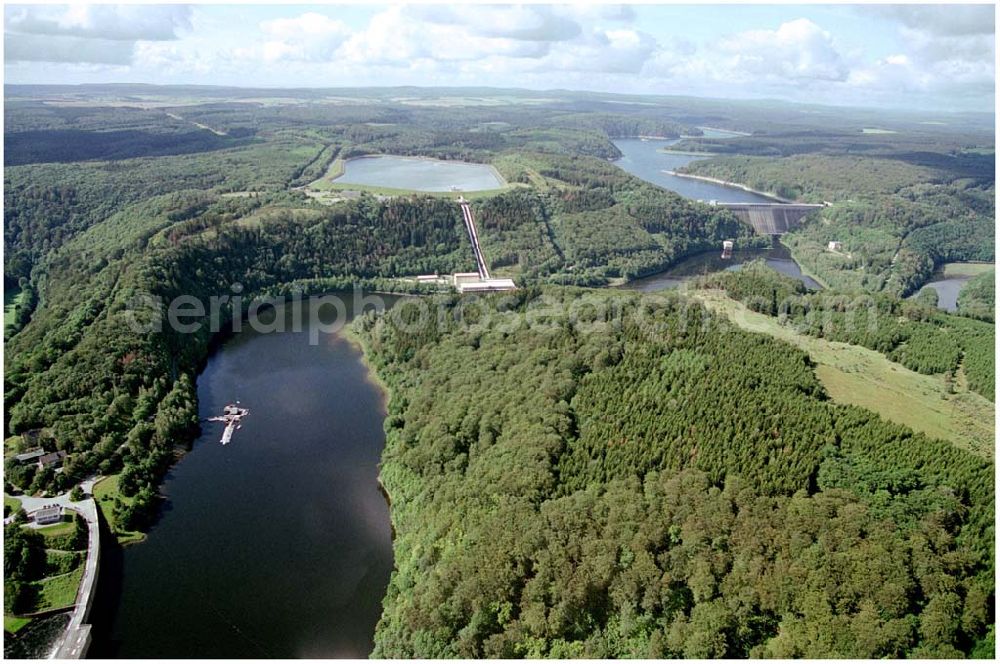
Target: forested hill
{"x":588,"y":474}
{"x":85,"y":236}
{"x":624,"y":476}
{"x":71,"y":163}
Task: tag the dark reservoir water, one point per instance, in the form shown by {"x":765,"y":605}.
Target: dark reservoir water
{"x":278,"y":544}
{"x":777,"y":257}
{"x":643,"y":159}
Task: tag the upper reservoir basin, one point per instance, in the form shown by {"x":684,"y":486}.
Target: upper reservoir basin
{"x":419,"y":174}
{"x":279,"y":543}
{"x":644,"y":159}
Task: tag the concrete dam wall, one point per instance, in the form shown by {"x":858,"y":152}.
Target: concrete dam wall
{"x":771,"y":219}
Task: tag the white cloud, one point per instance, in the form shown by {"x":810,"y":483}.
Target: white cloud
{"x":102,"y":34}
{"x":498,"y":40}
{"x":537,"y":23}
{"x":112,"y":22}
{"x":399,"y":36}
{"x":797,"y":59}
{"x":623,"y":13}
{"x":620,"y":50}
{"x":798,"y":50}
{"x":943,"y":20}
{"x":899,"y":75}
{"x":174,"y":59}
{"x":45,"y":48}
{"x":311,"y":37}
{"x":950,"y":51}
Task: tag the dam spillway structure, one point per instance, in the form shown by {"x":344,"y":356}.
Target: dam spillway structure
{"x":771,"y":218}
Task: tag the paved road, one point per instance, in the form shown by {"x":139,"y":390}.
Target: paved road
{"x":75,"y":640}
{"x":31,"y":504}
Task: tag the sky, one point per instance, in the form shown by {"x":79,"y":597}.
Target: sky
{"x":935,"y":57}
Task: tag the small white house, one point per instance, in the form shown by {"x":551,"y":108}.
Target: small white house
{"x":47,"y":515}
{"x":834,"y":246}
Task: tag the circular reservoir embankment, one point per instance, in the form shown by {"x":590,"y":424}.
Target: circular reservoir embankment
{"x":419,"y":174}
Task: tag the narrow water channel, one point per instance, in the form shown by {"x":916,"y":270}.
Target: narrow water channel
{"x":278,"y":544}
{"x":707,"y":262}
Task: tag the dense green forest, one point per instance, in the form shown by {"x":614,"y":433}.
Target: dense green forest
{"x":815,"y":177}
{"x":85,"y":239}
{"x":581,"y":474}
{"x":46,"y":204}
{"x":117,"y":400}
{"x":626,"y":476}
{"x":595,"y":224}
{"x":977,"y":299}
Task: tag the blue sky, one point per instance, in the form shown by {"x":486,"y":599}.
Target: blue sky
{"x":907,"y":56}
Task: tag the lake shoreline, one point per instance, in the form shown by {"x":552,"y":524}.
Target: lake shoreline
{"x":777,"y":256}
{"x":373,"y":377}
{"x":731,"y":185}
{"x":806,"y":271}
{"x":657,"y":163}
{"x":344,"y":370}
{"x":730,"y":132}
{"x":687,"y":153}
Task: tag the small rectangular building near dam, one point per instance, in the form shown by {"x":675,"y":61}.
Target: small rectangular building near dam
{"x":486,"y":286}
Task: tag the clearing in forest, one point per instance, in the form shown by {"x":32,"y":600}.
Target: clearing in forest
{"x":862,"y":377}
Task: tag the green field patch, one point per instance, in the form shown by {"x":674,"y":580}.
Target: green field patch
{"x":57,"y":592}
{"x":950,"y":270}
{"x":11,"y":624}
{"x":10,"y":502}
{"x":861,"y":377}
{"x":105,"y":493}
{"x":334,"y":171}
{"x":62,"y":562}
{"x":12,"y":297}
{"x":58,"y":529}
